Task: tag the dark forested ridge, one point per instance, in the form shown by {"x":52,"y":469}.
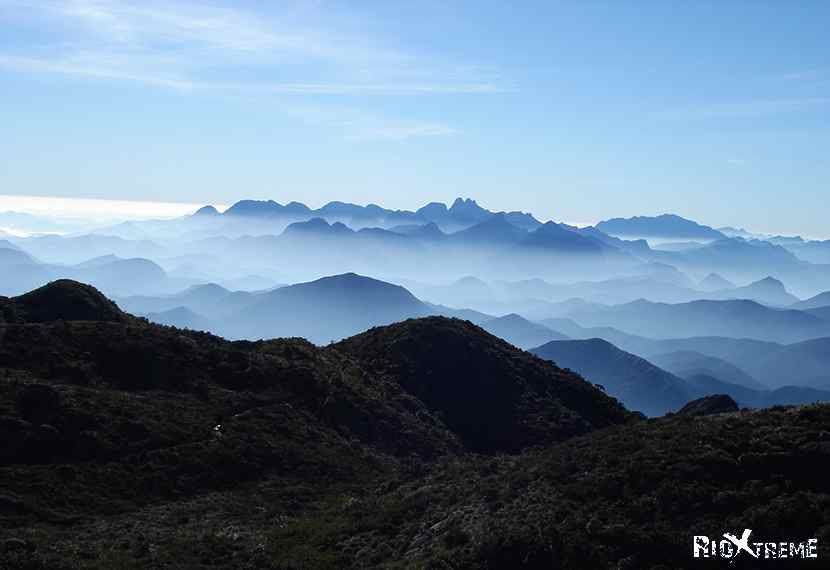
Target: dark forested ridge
{"x":423,"y":444}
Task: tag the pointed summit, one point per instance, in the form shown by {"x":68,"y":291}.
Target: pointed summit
{"x":494,"y":230}
{"x":468,"y":210}
{"x":715,"y":282}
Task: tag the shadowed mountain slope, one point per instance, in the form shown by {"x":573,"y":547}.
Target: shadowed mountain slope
{"x":636,"y":382}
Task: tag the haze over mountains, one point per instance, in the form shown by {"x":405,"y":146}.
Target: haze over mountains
{"x":685,"y":308}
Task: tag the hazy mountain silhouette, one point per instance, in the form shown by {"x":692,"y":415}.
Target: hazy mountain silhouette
{"x":493,"y":231}
{"x":715,"y":282}
{"x":736,"y":256}
{"x":551,"y":238}
{"x":753,"y":398}
{"x":804,"y":363}
{"x":318,"y":227}
{"x":812,"y":251}
{"x":520,"y":332}
{"x":327,"y":309}
{"x":467,"y":210}
{"x":77,"y":249}
{"x":266,"y":209}
{"x":769,"y":291}
{"x":816,"y":302}
{"x":121,"y":275}
{"x":688,"y":363}
{"x":462,"y":214}
{"x":429,"y":232}
{"x":11,"y":255}
{"x":772,"y":364}
{"x":637,"y":246}
{"x":822,"y":312}
{"x":644,"y":385}
{"x":666,"y":226}
{"x":208,"y":299}
{"x":183,"y":318}
{"x":637,"y":383}
{"x":736,"y":319}
{"x":206,"y":211}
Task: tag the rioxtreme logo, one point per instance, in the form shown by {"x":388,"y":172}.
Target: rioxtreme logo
{"x":730,"y":547}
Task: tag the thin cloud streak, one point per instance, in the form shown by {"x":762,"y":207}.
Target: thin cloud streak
{"x":183,"y":45}
{"x":203,"y":49}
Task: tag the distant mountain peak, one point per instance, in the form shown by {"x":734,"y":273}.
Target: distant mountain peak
{"x":769,"y":282}
{"x":433,"y":211}
{"x":318,"y":226}
{"x":206,"y":211}
{"x":668,"y":226}
{"x":469,"y":210}
{"x":495,"y":229}
{"x":266,"y":209}
{"x":559,"y":239}
{"x":715,"y":282}
{"x":464,"y":203}
{"x":470,"y":280}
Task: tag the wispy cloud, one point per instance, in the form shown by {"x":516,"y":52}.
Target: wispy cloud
{"x":288,"y":49}
{"x":184,"y":44}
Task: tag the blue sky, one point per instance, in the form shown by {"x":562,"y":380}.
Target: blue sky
{"x":576,"y":111}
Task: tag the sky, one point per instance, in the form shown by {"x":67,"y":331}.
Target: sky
{"x":575,"y":111}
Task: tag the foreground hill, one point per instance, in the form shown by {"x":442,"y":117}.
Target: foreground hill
{"x":494,"y":396}
{"x":133,"y":445}
{"x":61,"y":300}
